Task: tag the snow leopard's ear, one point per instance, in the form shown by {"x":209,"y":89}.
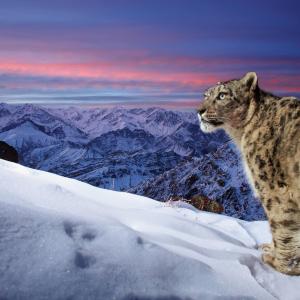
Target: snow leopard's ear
{"x":250,"y":80}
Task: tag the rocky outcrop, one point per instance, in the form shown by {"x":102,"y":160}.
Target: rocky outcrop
{"x":217,"y":176}
{"x":201,"y":202}
{"x":8,"y":152}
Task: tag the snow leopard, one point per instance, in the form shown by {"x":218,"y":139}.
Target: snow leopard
{"x":266,"y":130}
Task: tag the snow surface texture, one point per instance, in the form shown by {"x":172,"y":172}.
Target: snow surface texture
{"x":64,"y":239}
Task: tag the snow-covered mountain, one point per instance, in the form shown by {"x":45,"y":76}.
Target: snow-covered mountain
{"x":114,"y":147}
{"x":156,"y":121}
{"x":64,"y":239}
{"x":153,"y":152}
{"x":218,"y":175}
{"x":41,"y":120}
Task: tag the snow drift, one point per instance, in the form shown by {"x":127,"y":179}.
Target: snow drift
{"x":64,"y":239}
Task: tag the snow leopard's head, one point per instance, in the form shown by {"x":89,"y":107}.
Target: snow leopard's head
{"x":226,"y":104}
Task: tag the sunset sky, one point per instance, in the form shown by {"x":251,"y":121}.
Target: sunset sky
{"x":140,"y":52}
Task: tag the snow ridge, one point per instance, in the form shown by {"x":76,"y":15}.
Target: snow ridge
{"x":73,"y":240}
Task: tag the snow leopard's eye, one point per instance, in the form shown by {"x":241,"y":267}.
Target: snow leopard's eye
{"x":221,"y":96}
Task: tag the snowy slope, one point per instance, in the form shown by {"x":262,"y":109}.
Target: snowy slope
{"x":64,"y":239}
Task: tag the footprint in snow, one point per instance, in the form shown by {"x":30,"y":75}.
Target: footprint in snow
{"x":82,"y":258}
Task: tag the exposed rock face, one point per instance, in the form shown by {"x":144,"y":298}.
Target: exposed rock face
{"x":200,"y":202}
{"x":8,"y":152}
{"x":218,"y":176}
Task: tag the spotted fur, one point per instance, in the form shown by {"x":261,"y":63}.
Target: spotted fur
{"x":266,"y":128}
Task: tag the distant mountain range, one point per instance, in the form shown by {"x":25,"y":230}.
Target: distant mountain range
{"x":218,"y":175}
{"x":125,"y":149}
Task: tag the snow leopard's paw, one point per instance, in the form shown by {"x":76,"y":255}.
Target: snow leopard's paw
{"x":267,"y":248}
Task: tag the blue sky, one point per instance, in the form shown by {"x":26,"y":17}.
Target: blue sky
{"x":144,"y":52}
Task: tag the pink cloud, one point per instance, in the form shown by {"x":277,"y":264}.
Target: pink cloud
{"x":152,"y":72}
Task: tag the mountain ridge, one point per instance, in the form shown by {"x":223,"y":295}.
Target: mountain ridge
{"x":122,"y":149}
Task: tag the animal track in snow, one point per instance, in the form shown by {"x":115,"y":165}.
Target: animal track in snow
{"x":83,"y":260}
{"x":80,"y":236}
{"x":88,"y":236}
{"x":69,"y":229}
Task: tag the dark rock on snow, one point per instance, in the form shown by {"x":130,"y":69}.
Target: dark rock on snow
{"x":8,"y":152}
